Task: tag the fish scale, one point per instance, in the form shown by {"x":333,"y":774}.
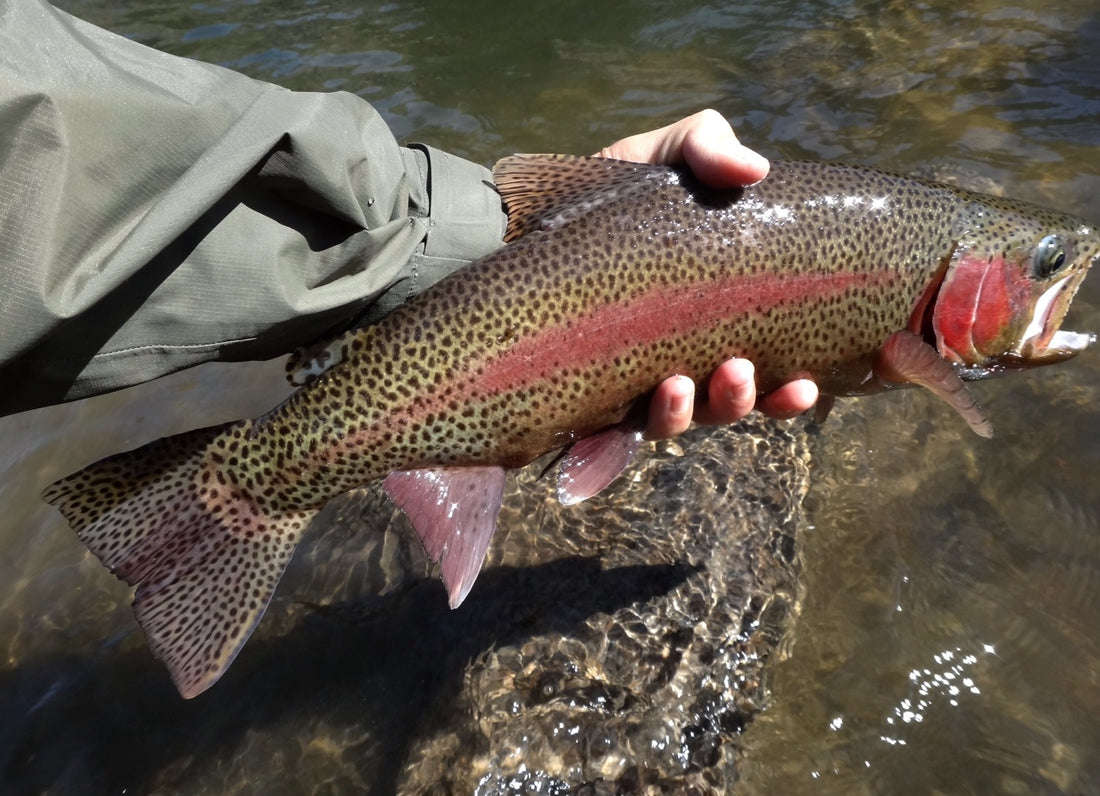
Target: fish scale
{"x":615,"y":277}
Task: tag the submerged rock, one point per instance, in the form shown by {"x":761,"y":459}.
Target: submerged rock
{"x":618,"y":646}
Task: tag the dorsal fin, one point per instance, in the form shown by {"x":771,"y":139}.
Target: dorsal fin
{"x":545,"y":191}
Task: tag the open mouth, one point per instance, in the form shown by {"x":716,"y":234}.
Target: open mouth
{"x":1043,"y":340}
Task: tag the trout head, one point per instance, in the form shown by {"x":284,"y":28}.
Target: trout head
{"x":1007,"y":287}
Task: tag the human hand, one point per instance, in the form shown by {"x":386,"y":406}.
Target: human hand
{"x":706,"y":143}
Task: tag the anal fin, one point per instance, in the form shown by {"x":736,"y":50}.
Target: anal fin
{"x":454,"y":512}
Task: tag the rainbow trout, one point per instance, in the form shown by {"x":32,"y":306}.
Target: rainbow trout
{"x":617,"y":275}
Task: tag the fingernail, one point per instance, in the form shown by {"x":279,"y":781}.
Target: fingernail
{"x":755,"y":162}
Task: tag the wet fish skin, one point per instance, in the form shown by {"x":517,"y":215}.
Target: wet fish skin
{"x":521,"y":322}
{"x":618,"y":275}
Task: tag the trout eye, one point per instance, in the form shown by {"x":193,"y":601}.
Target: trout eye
{"x":1050,"y":255}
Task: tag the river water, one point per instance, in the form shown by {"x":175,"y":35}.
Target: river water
{"x":949,"y":633}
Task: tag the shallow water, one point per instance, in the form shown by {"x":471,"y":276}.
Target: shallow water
{"x":947,"y":640}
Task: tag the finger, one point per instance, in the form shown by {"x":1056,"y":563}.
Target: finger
{"x":712,"y":152}
{"x":704,"y":141}
{"x":731,"y":393}
{"x":670,"y":408}
{"x":790,"y":400}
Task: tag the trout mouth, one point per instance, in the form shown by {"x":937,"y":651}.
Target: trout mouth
{"x":1042,"y":340}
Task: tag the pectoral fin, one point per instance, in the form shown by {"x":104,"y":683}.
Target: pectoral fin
{"x":823,"y":407}
{"x":454,"y":512}
{"x":906,"y":359}
{"x":594,"y":462}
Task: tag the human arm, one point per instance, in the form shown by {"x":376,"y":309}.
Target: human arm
{"x":157,"y":212}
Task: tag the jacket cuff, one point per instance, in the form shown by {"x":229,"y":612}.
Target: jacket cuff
{"x":467,"y":215}
{"x":466,"y":218}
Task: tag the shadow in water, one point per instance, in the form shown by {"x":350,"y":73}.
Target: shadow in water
{"x":387,"y":667}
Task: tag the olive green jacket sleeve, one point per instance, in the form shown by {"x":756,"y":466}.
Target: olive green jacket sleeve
{"x":158,"y":212}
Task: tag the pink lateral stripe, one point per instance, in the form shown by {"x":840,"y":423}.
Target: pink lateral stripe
{"x":660,"y":314}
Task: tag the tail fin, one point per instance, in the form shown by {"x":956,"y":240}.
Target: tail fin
{"x":205,"y":557}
